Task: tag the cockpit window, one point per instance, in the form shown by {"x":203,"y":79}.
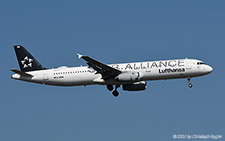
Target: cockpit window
{"x":200,"y":63}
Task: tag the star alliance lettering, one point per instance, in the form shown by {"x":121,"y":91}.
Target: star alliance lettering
{"x":149,"y":65}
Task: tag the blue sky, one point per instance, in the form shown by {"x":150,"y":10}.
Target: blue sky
{"x":112,"y":32}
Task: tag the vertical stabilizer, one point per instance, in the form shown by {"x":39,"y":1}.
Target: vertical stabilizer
{"x":26,"y":61}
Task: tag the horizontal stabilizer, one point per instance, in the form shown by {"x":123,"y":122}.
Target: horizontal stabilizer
{"x":21,"y":73}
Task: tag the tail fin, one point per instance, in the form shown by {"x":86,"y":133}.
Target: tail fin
{"x":26,"y":61}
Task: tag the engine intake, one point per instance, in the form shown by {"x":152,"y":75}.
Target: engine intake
{"x":138,"y":86}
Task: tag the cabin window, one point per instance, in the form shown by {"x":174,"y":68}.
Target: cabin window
{"x":200,"y":63}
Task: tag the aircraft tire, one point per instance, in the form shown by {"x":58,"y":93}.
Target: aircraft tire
{"x":110,"y":87}
{"x":115,"y":93}
{"x":190,"y":85}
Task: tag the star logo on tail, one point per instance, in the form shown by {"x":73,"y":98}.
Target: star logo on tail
{"x":27,"y":62}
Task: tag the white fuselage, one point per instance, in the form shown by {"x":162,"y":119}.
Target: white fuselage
{"x":156,"y":70}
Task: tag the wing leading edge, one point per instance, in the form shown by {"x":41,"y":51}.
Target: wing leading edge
{"x":106,"y":71}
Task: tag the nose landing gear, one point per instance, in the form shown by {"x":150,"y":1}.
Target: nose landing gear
{"x":189,"y":83}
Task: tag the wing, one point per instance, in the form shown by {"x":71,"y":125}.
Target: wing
{"x":106,"y":71}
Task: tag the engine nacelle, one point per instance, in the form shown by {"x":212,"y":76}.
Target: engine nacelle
{"x":128,"y":77}
{"x":138,"y":86}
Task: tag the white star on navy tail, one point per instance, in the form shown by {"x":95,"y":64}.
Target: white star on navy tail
{"x":27,"y":62}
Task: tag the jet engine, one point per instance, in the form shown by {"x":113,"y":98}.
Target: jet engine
{"x":138,"y":86}
{"x":128,"y":77}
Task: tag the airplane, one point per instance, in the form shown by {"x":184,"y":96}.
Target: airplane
{"x":132,"y":76}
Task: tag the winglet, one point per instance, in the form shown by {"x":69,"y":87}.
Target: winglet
{"x":79,"y":55}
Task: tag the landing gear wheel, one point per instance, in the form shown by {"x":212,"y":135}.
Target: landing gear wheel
{"x":115,"y":93}
{"x":189,"y":82}
{"x":110,"y":87}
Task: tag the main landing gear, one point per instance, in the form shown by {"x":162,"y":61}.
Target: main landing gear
{"x":189,"y":83}
{"x":115,"y":92}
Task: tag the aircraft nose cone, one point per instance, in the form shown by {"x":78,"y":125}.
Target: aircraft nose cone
{"x":209,"y":69}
